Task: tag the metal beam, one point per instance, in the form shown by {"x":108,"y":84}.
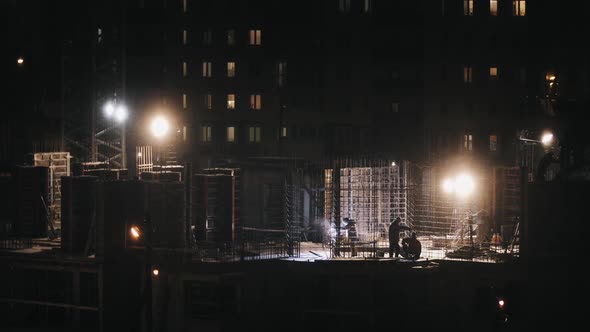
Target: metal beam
{"x":49,"y":304}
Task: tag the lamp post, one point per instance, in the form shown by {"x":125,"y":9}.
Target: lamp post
{"x":462,"y":186}
{"x":141,"y":234}
{"x":159,"y":128}
{"x":546,"y":139}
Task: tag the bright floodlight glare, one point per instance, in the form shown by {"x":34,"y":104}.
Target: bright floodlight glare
{"x":121,"y":113}
{"x":547,"y":138}
{"x":139,"y":154}
{"x":501,"y":304}
{"x":20,"y":60}
{"x":134,"y":230}
{"x":159,"y":127}
{"x":155,"y":272}
{"x":464,"y":185}
{"x":393,"y":163}
{"x":109,"y":109}
{"x":448,"y":186}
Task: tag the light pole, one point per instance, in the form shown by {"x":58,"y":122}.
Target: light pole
{"x":142,"y":235}
{"x":159,"y":128}
{"x":545,"y":139}
{"x":462,"y":186}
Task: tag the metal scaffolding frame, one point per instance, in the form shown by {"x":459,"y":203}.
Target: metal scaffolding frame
{"x":86,"y":132}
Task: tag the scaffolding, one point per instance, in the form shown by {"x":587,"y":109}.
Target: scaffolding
{"x":367,"y":197}
{"x":59,"y":165}
{"x":360,"y":204}
{"x":313,"y":214}
{"x":144,"y":159}
{"x":506,"y":207}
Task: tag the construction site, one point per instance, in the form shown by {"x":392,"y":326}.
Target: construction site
{"x":87,"y":237}
{"x":345,"y":165}
{"x":289,"y":208}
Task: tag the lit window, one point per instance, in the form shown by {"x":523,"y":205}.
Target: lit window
{"x":184,"y":69}
{"x":231,"y":137}
{"x":468,"y":7}
{"x":184,"y":133}
{"x":518,"y":7}
{"x":184,"y":100}
{"x":184,"y":37}
{"x":468,"y":142}
{"x":395,"y":107}
{"x":231,"y":102}
{"x":467,"y":74}
{"x":209,"y":101}
{"x":255,"y":102}
{"x":231,"y":37}
{"x":254,"y":134}
{"x":206,"y":134}
{"x":206,"y":69}
{"x":493,"y":142}
{"x":255,"y":37}
{"x":494,"y":7}
{"x":207,"y":37}
{"x":282,"y":77}
{"x":493,"y":73}
{"x":283,"y":132}
{"x":99,"y":35}
{"x":367,"y":6}
{"x":231,"y":69}
{"x":344,"y":6}
{"x":184,"y":6}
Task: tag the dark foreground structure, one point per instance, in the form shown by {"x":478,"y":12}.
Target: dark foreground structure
{"x":51,"y":291}
{"x":169,"y":255}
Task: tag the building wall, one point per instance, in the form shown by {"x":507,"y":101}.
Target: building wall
{"x":336,"y":97}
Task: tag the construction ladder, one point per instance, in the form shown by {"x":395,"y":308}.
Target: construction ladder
{"x":515,"y":238}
